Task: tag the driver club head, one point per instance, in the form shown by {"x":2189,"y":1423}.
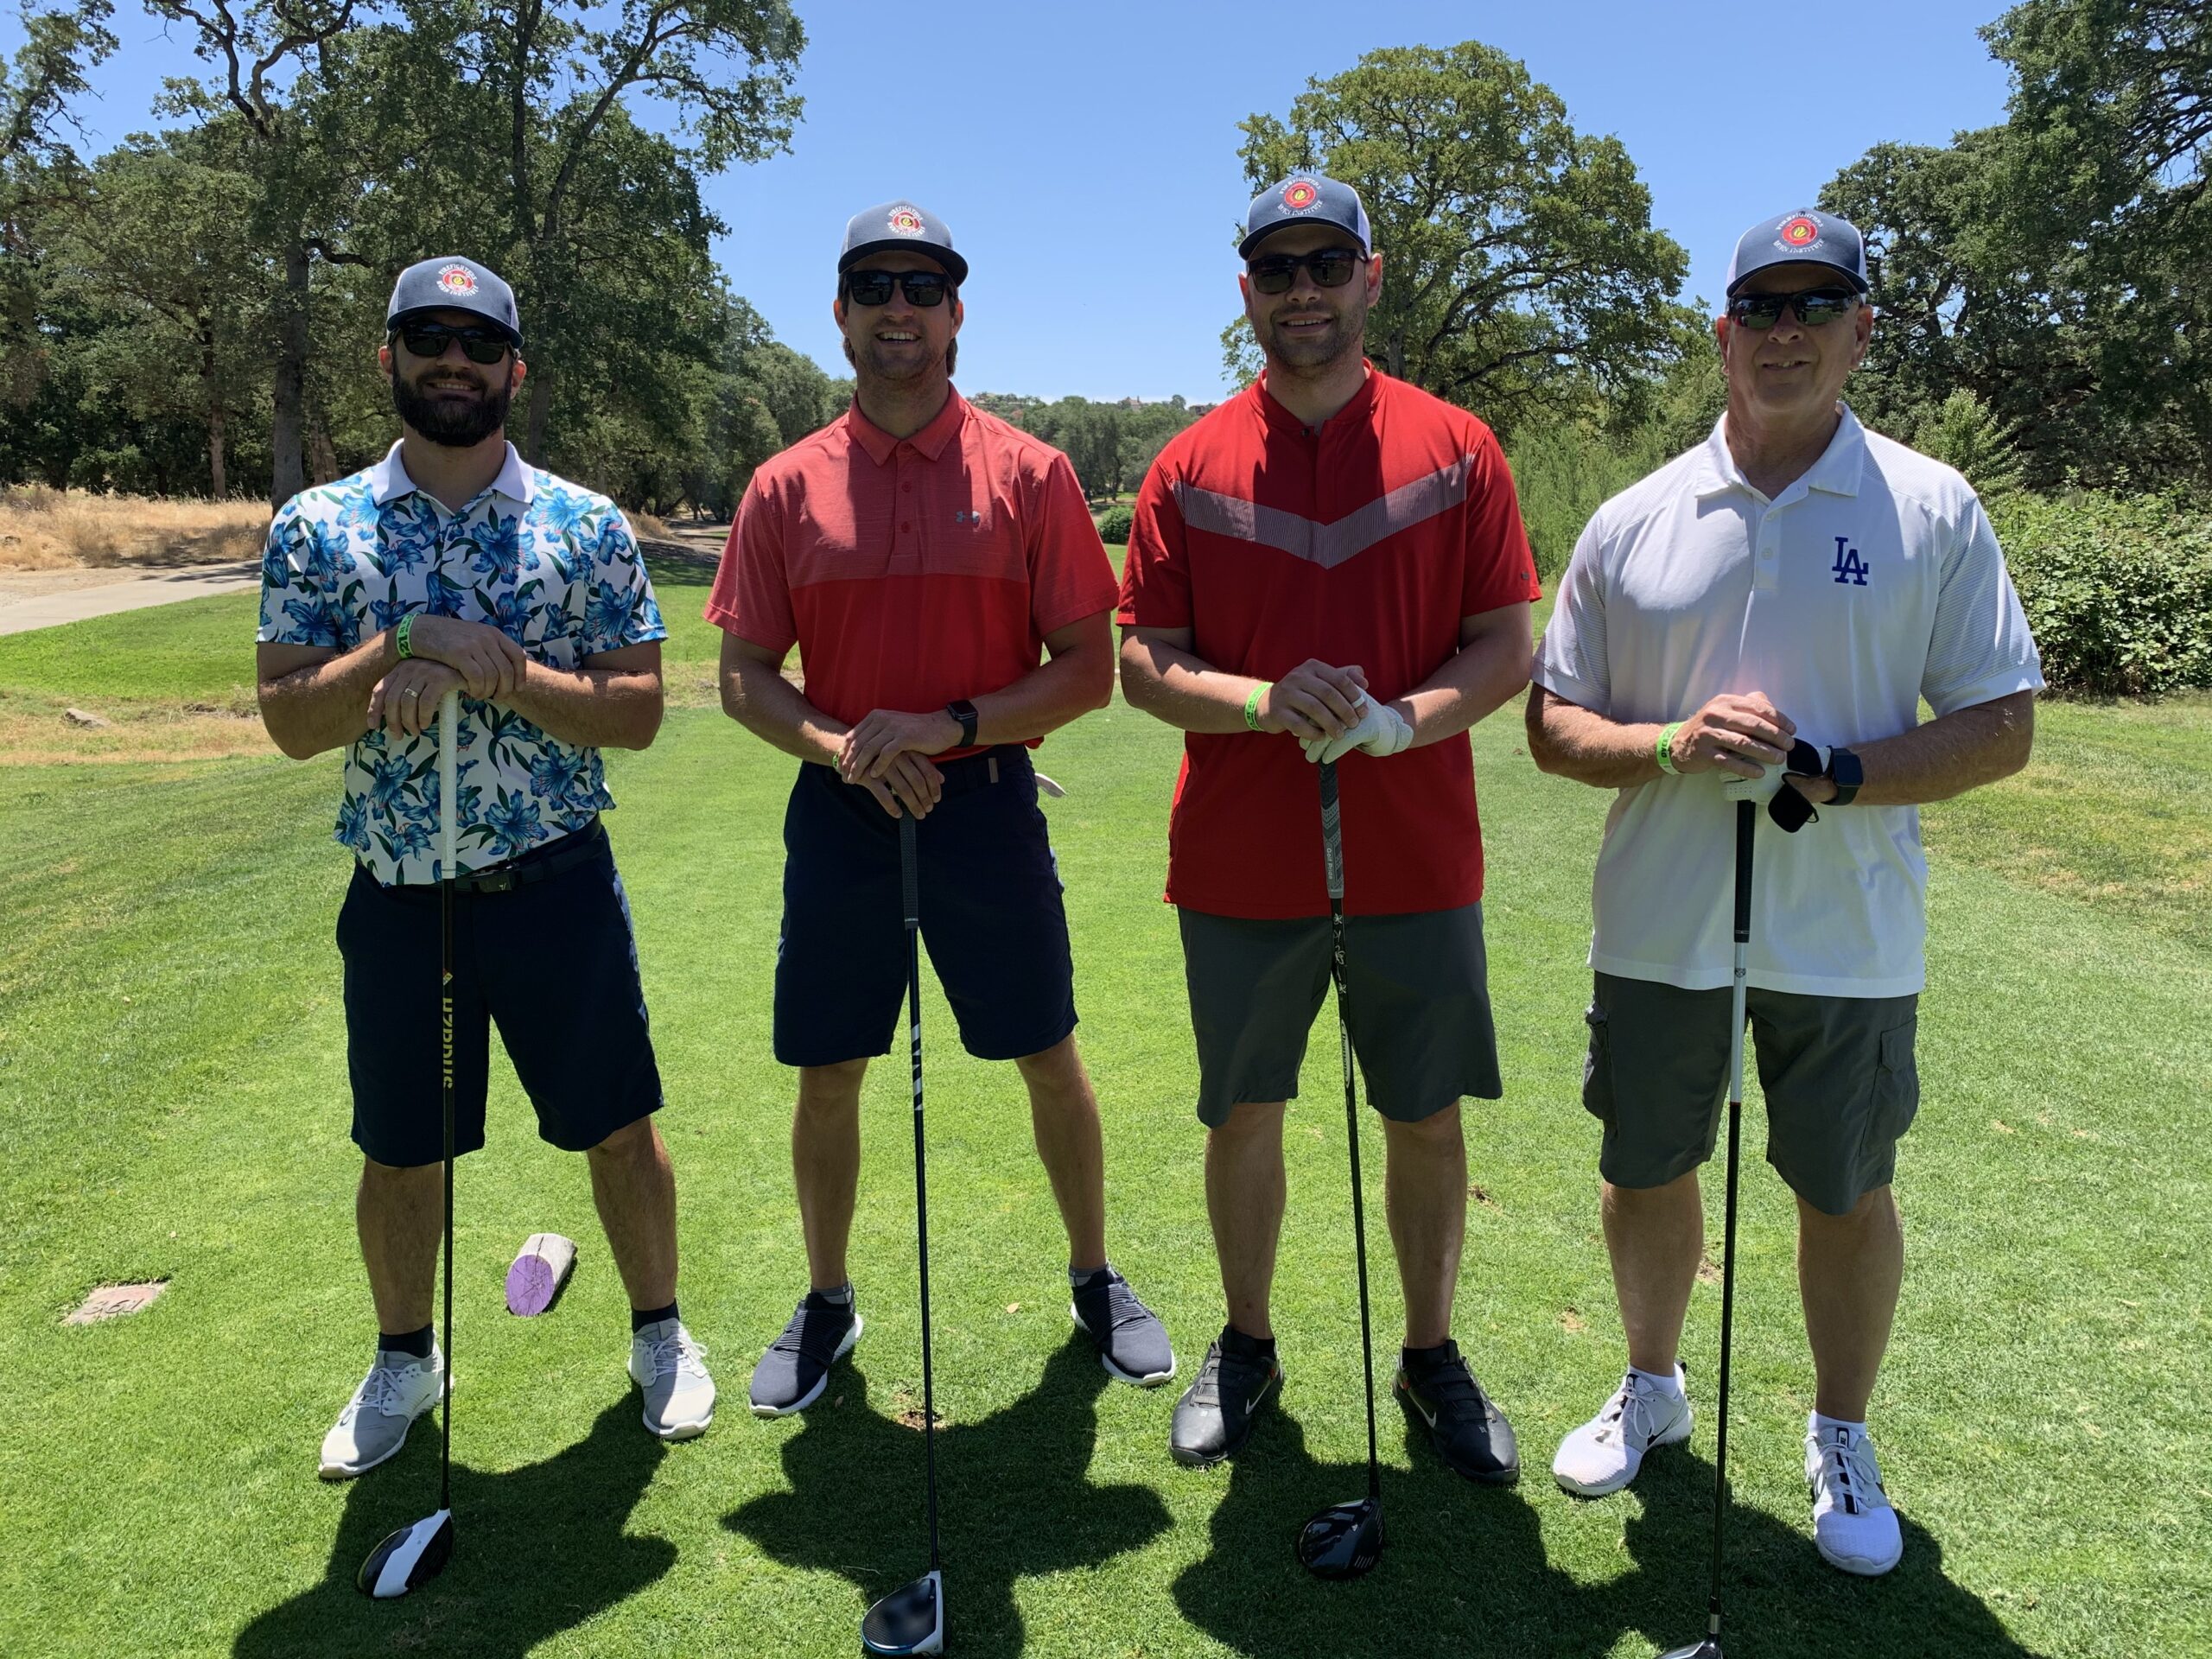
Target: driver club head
{"x":412,"y":1556}
{"x":1708,"y":1649}
{"x":1343,"y":1540}
{"x":910,"y":1619}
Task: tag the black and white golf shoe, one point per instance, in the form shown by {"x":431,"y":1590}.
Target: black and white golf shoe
{"x":791,"y":1375}
{"x":1468,"y":1430}
{"x":1132,"y":1343}
{"x":1214,"y":1417}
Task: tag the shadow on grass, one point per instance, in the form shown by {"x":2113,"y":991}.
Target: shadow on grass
{"x":1464,"y":1570}
{"x":1776,"y":1593}
{"x":536,"y":1551}
{"x":1014,"y":1500}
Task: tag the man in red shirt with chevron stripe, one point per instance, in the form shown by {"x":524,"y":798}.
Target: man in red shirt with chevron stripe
{"x":1330,"y":564}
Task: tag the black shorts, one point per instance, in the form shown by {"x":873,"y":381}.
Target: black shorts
{"x":991,"y":916}
{"x":553,"y":962}
{"x":1417,"y":1001}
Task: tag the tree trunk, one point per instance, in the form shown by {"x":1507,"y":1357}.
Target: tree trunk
{"x":1397,"y":354}
{"x":541,"y":407}
{"x":323,"y":459}
{"x":287,"y":426}
{"x":218,"y":478}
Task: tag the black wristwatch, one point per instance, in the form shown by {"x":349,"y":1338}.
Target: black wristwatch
{"x":964,"y":712}
{"x":1846,"y":774}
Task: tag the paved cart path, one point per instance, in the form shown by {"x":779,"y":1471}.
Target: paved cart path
{"x":21,"y":611}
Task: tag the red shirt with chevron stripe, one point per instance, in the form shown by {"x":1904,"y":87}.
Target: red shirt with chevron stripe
{"x":1362,"y":543}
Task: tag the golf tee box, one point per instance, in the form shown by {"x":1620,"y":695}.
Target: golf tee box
{"x":535,"y":1281}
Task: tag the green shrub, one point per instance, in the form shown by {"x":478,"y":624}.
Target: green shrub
{"x":1114,"y":524}
{"x":2117,"y":590}
{"x":1563,"y":473}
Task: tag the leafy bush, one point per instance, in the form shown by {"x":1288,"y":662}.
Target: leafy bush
{"x":1114,"y":524}
{"x":1563,"y":473}
{"x":1961,"y":432}
{"x":2117,"y":590}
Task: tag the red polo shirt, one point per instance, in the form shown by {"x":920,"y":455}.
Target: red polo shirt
{"x":911,"y":572}
{"x":1365,"y":543}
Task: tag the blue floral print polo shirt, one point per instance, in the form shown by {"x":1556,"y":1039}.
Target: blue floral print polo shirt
{"x":552,"y":566}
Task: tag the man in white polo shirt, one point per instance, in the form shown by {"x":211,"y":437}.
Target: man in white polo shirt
{"x":1773,"y":607}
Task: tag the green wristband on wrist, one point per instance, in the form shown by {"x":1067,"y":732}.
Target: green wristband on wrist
{"x":1252,"y":704}
{"x":400,"y":635}
{"x":1665,"y":750}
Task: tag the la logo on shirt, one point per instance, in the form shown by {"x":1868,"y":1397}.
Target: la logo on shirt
{"x":1849,"y":568}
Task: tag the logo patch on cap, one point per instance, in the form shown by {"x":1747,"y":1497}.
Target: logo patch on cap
{"x":905,"y":221}
{"x":457,"y":279}
{"x":1300,"y":194}
{"x":1800,"y":232}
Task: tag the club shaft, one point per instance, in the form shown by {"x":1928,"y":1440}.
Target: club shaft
{"x":909,"y":887}
{"x":448,"y":854}
{"x":1746,"y":832}
{"x":1332,"y":852}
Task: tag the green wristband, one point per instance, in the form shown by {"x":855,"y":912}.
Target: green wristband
{"x":1665,"y":750}
{"x":1252,"y":704}
{"x":400,"y":635}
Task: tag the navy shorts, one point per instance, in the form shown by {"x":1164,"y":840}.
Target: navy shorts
{"x":991,"y":916}
{"x":553,"y":962}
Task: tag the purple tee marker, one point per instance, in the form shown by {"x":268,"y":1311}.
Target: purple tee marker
{"x":535,"y":1280}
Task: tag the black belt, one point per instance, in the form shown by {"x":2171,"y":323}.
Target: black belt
{"x":981,"y":771}
{"x":546,"y":862}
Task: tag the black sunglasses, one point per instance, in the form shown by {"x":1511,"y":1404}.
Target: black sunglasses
{"x":1331,"y":268}
{"x":1816,"y":307}
{"x":428,"y":339}
{"x":923,"y":287}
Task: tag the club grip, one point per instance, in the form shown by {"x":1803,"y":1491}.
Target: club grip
{"x":1747,"y":817}
{"x":1332,"y":842}
{"x":448,"y":787}
{"x":909,"y":876}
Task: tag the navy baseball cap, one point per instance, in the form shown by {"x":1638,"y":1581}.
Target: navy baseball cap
{"x":900,"y":225}
{"x":1805,"y":238}
{"x":1305,"y":199}
{"x":453,"y":284}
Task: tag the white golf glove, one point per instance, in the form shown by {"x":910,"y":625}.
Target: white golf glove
{"x":1758,"y":790}
{"x":1381,"y":732}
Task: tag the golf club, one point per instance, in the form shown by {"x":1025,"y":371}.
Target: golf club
{"x":910,"y":1619}
{"x":1345,"y":1540}
{"x":1746,"y":828}
{"x":415,"y":1555}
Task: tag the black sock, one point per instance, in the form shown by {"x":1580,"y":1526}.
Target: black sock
{"x":1238,"y":1343}
{"x":640,"y":1318}
{"x":415,"y":1344}
{"x":840,"y":1297}
{"x":1417,"y":1357}
{"x":1080,"y":1280}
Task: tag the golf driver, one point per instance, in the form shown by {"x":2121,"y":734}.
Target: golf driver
{"x":415,"y":1554}
{"x":910,"y":1619}
{"x":1746,"y":828}
{"x":1345,"y":1540}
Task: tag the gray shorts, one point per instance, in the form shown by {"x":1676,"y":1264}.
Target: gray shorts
{"x":1838,"y":1071}
{"x":1418,"y":996}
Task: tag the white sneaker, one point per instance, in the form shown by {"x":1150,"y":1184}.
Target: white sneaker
{"x":1604,"y":1454}
{"x":670,"y":1368}
{"x":398,"y":1388}
{"x":1854,"y":1526}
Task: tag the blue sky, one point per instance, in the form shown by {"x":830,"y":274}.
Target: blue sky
{"x":1085,"y":157}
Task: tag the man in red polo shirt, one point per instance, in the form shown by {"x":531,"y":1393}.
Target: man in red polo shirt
{"x":923,"y":556}
{"x":1330,"y":564}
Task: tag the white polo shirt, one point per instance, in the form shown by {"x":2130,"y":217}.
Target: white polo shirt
{"x":1872,"y":582}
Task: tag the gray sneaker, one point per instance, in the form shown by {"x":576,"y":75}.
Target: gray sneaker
{"x":670,"y":1368}
{"x":398,"y":1388}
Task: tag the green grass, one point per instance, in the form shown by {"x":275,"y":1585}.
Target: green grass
{"x":172,"y":1101}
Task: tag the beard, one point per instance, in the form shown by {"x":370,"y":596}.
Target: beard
{"x":454,"y":422}
{"x":1345,"y":335}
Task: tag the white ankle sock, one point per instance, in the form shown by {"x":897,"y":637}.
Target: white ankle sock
{"x":1668,"y":1382}
{"x":1823,"y":1426}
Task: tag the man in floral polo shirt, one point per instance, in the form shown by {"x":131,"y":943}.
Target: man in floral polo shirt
{"x":450,"y":563}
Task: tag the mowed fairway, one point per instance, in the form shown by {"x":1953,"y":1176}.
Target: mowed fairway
{"x":173,"y":1102}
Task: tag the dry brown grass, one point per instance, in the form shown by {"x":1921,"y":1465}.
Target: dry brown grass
{"x":33,"y":731}
{"x":55,"y":529}
{"x":651,"y":526}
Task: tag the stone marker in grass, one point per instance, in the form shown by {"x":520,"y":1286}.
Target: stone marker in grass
{"x":112,"y":1301}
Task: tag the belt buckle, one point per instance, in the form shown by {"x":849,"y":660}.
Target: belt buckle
{"x":501,"y":879}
